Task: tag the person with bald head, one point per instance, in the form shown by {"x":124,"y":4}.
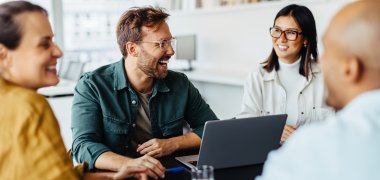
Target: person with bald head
{"x":346,"y":146}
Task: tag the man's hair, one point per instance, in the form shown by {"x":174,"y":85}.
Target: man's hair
{"x":131,"y":22}
{"x":10,"y":29}
{"x":305,"y":20}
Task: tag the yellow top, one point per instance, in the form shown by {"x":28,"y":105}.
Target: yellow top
{"x":31,"y":146}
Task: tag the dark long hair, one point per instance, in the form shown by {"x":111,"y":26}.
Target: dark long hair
{"x":10,"y":29}
{"x":305,"y":20}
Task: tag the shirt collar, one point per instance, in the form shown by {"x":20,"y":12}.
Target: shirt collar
{"x":365,"y":102}
{"x":159,"y":86}
{"x":295,"y":63}
{"x":269,"y":76}
{"x":4,"y":84}
{"x":120,"y":76}
{"x":315,"y":69}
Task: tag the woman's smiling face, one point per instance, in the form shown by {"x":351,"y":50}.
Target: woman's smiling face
{"x":286,"y":50}
{"x":33,"y":63}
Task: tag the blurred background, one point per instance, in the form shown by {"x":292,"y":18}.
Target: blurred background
{"x":222,"y":40}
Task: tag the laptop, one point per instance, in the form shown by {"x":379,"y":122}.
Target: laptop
{"x":237,"y":142}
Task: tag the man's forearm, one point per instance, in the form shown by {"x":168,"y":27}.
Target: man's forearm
{"x":187,"y":141}
{"x":110,"y":161}
{"x":145,"y":164}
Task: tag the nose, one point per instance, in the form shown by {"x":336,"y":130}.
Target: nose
{"x":57,"y":52}
{"x":170,"y":50}
{"x":282,"y":38}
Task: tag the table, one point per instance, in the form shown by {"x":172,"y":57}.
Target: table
{"x":239,"y":173}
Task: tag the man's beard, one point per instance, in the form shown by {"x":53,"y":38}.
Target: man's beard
{"x":147,"y":69}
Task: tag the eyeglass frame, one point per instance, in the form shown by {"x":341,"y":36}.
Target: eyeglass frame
{"x":162,"y":43}
{"x":284,"y":32}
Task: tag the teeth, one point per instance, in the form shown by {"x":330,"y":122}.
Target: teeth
{"x":51,"y":67}
{"x":164,"y":61}
{"x":282,"y":47}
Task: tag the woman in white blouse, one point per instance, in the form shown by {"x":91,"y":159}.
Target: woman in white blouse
{"x":289,"y":81}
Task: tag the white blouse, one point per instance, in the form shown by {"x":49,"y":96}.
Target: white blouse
{"x":265,"y":95}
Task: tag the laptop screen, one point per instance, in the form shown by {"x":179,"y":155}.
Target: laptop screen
{"x":239,"y":142}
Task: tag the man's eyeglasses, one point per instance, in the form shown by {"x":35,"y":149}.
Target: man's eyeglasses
{"x":162,"y":43}
{"x":290,"y":35}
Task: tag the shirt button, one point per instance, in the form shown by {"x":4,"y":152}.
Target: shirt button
{"x":133,"y":125}
{"x":301,"y":112}
{"x":133,"y":102}
{"x":301,"y":92}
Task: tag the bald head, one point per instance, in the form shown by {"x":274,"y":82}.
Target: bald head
{"x":351,"y":58}
{"x":356,"y":30}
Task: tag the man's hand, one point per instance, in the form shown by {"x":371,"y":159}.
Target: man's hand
{"x":288,"y":130}
{"x":158,"y":147}
{"x":152,"y":166}
{"x":126,"y":171}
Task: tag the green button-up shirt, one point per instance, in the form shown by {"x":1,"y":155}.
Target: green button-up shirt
{"x":105,"y":107}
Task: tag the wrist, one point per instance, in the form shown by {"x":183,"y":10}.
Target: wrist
{"x":113,"y":177}
{"x":125,"y":162}
{"x":176,"y":142}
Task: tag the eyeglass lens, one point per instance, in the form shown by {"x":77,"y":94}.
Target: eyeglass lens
{"x":165,"y":43}
{"x":289,"y":34}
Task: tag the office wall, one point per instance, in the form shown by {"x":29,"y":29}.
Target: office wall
{"x":238,"y":37}
{"x":232,"y":38}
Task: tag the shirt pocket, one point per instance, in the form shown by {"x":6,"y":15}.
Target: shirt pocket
{"x":172,"y":127}
{"x":116,"y":134}
{"x":115,"y":125}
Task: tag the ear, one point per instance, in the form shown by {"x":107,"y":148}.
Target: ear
{"x":3,"y":58}
{"x":3,"y":52}
{"x":131,"y":49}
{"x":354,"y":69}
{"x":305,"y":43}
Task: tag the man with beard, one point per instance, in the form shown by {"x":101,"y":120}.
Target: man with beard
{"x":347,"y":146}
{"x":137,"y":107}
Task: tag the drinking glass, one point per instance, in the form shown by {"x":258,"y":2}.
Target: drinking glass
{"x":204,"y":172}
